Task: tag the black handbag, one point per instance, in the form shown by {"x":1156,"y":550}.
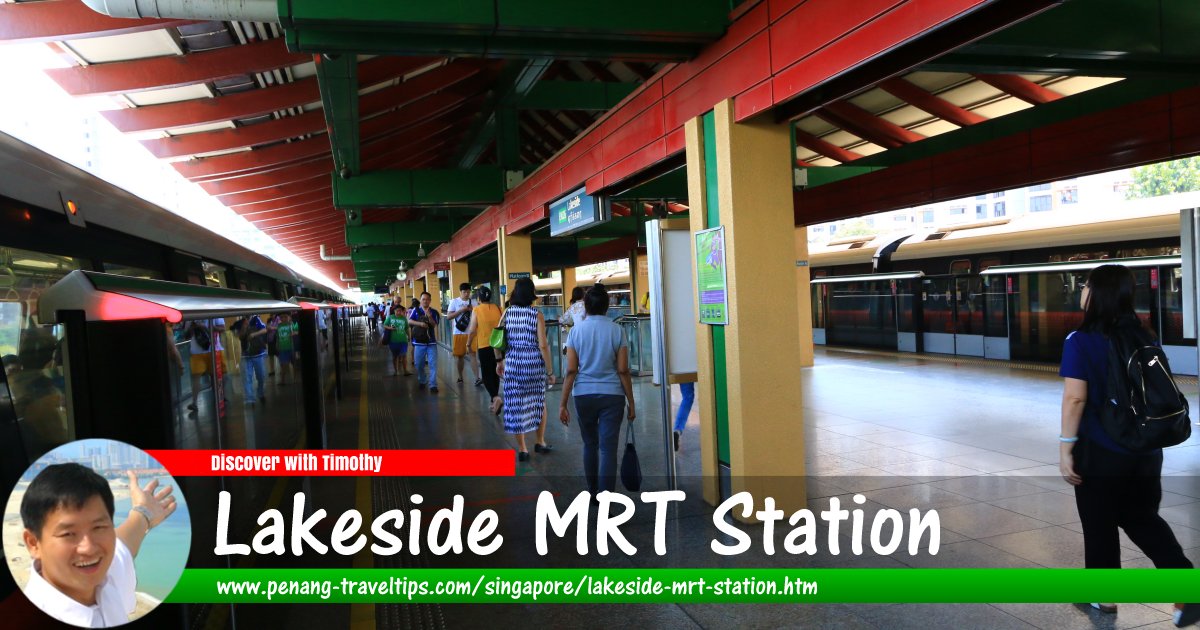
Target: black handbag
{"x":631,"y":469}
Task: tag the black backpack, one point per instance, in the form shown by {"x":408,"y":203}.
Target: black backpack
{"x":200,"y":334}
{"x":1144,"y":410}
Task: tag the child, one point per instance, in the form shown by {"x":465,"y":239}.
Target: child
{"x":83,"y":571}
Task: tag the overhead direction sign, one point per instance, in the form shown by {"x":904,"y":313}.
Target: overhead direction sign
{"x":576,"y":211}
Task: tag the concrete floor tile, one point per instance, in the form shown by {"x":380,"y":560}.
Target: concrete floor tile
{"x":1051,"y":507}
{"x":987,"y":487}
{"x":980,"y":520}
{"x":1081,"y":617}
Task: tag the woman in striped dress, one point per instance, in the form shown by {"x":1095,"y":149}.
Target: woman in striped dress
{"x":525,"y":369}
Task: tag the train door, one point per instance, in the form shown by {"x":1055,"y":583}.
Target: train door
{"x":995,"y":318}
{"x":954,"y":315}
{"x":968,"y":316}
{"x":937,"y":306}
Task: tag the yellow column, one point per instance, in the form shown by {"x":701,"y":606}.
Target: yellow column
{"x":516,"y":256}
{"x":458,"y":275}
{"x":804,"y":297}
{"x":568,"y":284}
{"x":639,"y":279}
{"x":765,"y":413}
{"x":433,"y":287}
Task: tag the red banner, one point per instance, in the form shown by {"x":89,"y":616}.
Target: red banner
{"x":337,"y":463}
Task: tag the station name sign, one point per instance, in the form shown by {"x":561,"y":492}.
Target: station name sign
{"x":576,"y":211}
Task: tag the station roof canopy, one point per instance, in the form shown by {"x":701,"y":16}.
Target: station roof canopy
{"x":380,"y":129}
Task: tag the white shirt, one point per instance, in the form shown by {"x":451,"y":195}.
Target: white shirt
{"x":115,"y":599}
{"x":456,"y":304}
{"x":216,"y":337}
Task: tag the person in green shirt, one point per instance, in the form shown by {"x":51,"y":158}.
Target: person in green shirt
{"x":396,"y":325}
{"x":286,"y":334}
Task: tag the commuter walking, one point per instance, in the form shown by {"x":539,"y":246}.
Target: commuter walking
{"x":598,"y":376}
{"x":687,"y":396}
{"x":525,"y":369}
{"x":423,"y":321}
{"x":460,"y":315}
{"x":372,"y":315}
{"x":272,"y":322}
{"x":396,"y":326}
{"x":253,"y":334}
{"x":286,"y":333}
{"x":484,"y":319}
{"x":1115,"y":488}
{"x":573,"y":314}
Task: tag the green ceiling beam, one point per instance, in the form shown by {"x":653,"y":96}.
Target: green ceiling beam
{"x":665,"y":30}
{"x":433,"y":187}
{"x":516,"y":81}
{"x":400,"y":233}
{"x":393,"y":254}
{"x":338,"y":77}
{"x":582,"y":95}
{"x":813,"y":176}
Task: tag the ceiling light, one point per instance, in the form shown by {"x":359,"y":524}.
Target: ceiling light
{"x":421,"y":250}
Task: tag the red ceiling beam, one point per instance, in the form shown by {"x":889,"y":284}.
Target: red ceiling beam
{"x":1020,"y":87}
{"x":277,"y":221}
{"x":277,"y":156}
{"x":247,"y":136}
{"x":325,"y":195}
{"x":316,"y":204}
{"x":203,"y":111}
{"x":254,"y":102}
{"x":931,"y":103}
{"x":868,"y":126}
{"x":601,"y":72}
{"x":57,"y":20}
{"x":828,"y":149}
{"x":275,"y":193}
{"x":176,"y":70}
{"x":310,"y":122}
{"x":298,"y":173}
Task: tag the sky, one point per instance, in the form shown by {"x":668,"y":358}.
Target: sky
{"x":34,"y":109}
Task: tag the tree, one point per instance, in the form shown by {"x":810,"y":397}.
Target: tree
{"x":1165,"y":178}
{"x":858,"y":227}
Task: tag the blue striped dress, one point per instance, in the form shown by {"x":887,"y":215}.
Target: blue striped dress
{"x":524,"y":372}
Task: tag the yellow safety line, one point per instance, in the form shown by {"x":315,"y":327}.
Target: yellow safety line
{"x":362,"y":616}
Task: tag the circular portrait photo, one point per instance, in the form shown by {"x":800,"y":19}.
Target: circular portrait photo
{"x":96,"y":534}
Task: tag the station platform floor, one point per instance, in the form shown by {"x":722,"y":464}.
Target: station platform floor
{"x":976,"y":443}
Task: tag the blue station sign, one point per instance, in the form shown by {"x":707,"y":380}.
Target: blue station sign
{"x":576,"y":211}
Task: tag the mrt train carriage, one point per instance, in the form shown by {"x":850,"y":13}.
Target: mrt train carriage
{"x":101,"y":298}
{"x":1001,"y":289}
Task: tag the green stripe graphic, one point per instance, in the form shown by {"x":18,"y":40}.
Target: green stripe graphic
{"x":655,"y":586}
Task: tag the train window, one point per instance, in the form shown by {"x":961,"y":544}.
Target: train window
{"x":214,"y":274}
{"x":31,"y":351}
{"x":133,"y":272}
{"x":960,"y":267}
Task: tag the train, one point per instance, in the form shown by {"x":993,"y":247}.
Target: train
{"x":111,"y":318}
{"x":1005,"y":289}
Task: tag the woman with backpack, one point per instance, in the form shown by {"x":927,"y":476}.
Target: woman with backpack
{"x":1115,"y":487}
{"x":484,"y":319}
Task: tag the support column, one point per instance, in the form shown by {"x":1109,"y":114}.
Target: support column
{"x":516,"y":256}
{"x":459,"y":273}
{"x":739,"y":177}
{"x":639,"y":279}
{"x":568,"y":284}
{"x":804,"y":297}
{"x":430,"y":280}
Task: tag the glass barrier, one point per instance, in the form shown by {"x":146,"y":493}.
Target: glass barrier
{"x":637,"y":334}
{"x":555,"y":340}
{"x":550,"y":312}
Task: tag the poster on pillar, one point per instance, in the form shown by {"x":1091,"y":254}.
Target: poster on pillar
{"x":710,"y":276}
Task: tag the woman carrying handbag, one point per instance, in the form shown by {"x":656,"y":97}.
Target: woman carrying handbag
{"x":598,"y":376}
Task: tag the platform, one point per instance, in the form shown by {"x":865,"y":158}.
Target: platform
{"x":975,"y":442}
